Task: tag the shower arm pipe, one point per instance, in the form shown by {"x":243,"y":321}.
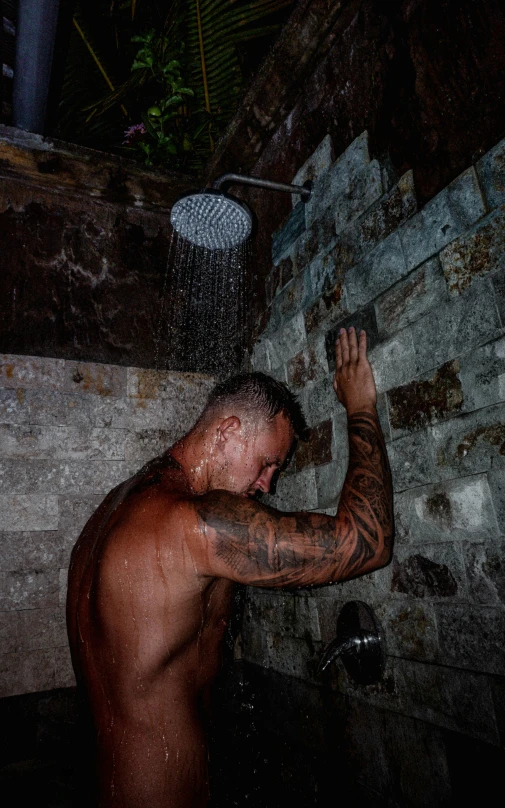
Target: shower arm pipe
{"x":233,"y":179}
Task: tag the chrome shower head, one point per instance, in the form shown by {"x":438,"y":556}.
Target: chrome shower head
{"x":212,"y":219}
{"x":216,"y":220}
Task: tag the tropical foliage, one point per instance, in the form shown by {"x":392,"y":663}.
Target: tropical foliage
{"x":162,"y":83}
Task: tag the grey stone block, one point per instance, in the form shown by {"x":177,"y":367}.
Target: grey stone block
{"x":411,"y":298}
{"x":499,"y":292}
{"x":457,"y":509}
{"x":383,"y":413}
{"x":496,"y":478}
{"x":111,"y":413}
{"x":338,"y":178}
{"x":411,"y":461}
{"x":14,"y":408}
{"x":284,"y":613}
{"x":146,"y":444}
{"x":260,"y":359}
{"x":471,"y":637}
{"x":94,"y":378}
{"x":290,"y":230}
{"x":63,"y":670}
{"x":319,"y":401}
{"x":384,"y":694}
{"x":364,"y":189}
{"x":463,"y":323}
{"x":292,"y":656}
{"x":61,"y":443}
{"x":429,"y":571}
{"x":34,"y":589}
{"x":318,"y":162}
{"x":28,"y":512}
{"x":394,"y":362}
{"x":62,"y":587}
{"x":410,"y":629}
{"x":485,"y":569}
{"x":430,"y":398}
{"x":468,"y":444}
{"x":482,"y":374}
{"x":310,"y":365}
{"x":457,"y":700}
{"x":254,"y":645}
{"x":329,"y":481}
{"x":324,"y":273}
{"x":288,"y":341}
{"x":373,"y":588}
{"x":8,"y":632}
{"x":296,"y":492}
{"x":443,"y":219}
{"x":490,"y":173}
{"x":388,"y":213}
{"x":31,"y":372}
{"x":166,"y":384}
{"x":379,"y":270}
{"x":292,"y":298}
{"x":61,"y":477}
{"x":476,"y":253}
{"x":41,"y":628}
{"x":54,"y":408}
{"x":26,"y":672}
{"x":38,"y":550}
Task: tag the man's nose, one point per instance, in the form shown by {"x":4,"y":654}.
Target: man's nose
{"x":264,"y":481}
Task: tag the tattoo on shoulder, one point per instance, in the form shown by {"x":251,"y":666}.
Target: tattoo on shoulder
{"x":266,"y":547}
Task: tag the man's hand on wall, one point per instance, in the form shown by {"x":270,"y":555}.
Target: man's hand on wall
{"x":354,"y":382}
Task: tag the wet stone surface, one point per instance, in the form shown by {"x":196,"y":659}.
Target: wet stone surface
{"x":427,"y":401}
{"x":420,"y":577}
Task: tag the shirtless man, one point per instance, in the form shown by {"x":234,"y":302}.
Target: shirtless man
{"x":152,"y":574}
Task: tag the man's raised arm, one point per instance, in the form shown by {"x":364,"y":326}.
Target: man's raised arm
{"x":251,"y":543}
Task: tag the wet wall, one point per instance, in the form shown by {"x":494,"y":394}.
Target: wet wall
{"x":423,"y":77}
{"x":84,"y":242}
{"x":428,"y":284}
{"x":69,"y":432}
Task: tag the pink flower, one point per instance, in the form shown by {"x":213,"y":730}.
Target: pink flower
{"x":133,"y":134}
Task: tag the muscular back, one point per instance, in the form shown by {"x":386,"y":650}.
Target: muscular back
{"x":145,"y":632}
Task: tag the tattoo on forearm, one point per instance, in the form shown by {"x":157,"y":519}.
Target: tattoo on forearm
{"x":262,"y":546}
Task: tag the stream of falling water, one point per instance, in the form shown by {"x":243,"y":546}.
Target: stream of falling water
{"x":203,"y":308}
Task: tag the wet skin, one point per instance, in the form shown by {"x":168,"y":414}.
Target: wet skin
{"x":151,"y":579}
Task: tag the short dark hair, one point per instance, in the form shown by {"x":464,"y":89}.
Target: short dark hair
{"x":260,"y":393}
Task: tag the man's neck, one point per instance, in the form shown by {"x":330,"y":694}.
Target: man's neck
{"x":193,"y":456}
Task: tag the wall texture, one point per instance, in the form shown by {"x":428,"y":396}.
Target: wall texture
{"x":69,"y":432}
{"x":429,"y":287}
{"x":423,"y":77}
{"x":88,"y":238}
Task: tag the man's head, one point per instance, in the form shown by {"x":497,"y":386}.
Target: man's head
{"x":250,"y":422}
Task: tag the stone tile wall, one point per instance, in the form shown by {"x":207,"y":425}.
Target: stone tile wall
{"x":428,"y":285}
{"x":69,"y":432}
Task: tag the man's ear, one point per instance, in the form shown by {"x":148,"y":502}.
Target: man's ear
{"x":228,"y":429}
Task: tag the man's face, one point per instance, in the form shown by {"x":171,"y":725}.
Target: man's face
{"x":250,"y":454}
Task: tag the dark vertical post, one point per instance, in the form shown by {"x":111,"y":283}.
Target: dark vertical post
{"x":35,"y":35}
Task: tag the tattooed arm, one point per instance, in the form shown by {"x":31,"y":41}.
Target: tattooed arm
{"x":254,"y":544}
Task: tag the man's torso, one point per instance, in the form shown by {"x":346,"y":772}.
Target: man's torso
{"x":146,"y":632}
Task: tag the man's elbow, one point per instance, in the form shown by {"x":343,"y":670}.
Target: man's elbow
{"x":386,"y":554}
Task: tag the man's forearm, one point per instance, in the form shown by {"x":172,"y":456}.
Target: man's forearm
{"x":365,"y":513}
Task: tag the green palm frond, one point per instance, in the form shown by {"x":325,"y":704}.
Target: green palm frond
{"x":200,"y":35}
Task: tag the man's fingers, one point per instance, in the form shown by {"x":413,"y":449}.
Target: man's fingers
{"x":362,"y":344}
{"x":353,"y":345}
{"x":344,"y":345}
{"x":338,"y":354}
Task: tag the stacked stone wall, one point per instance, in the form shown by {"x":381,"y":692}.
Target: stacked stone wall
{"x":69,"y":432}
{"x":429,"y":287}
